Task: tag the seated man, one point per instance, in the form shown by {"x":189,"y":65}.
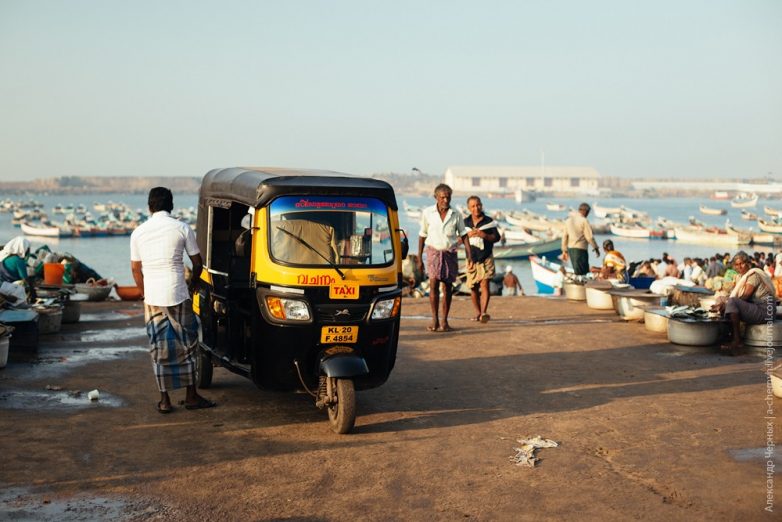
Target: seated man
{"x":614,"y":264}
{"x":752,"y":301}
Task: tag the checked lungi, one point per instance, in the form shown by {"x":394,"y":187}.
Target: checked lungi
{"x":442,"y":265}
{"x":173,"y":336}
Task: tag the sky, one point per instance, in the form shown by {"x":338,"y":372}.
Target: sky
{"x":679,"y":89}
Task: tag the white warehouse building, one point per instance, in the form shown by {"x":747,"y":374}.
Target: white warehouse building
{"x":509,"y":179}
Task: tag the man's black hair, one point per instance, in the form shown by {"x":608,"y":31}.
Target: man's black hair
{"x":160,"y":198}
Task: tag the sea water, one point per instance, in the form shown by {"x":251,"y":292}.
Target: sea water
{"x":110,"y":256}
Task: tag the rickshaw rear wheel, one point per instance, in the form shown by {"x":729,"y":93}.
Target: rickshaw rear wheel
{"x":203,"y":368}
{"x":342,"y":414}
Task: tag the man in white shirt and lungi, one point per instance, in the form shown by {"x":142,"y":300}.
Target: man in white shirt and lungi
{"x":442,"y":230}
{"x":157,"y":249}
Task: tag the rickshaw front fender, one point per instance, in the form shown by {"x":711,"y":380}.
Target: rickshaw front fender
{"x":343,"y":366}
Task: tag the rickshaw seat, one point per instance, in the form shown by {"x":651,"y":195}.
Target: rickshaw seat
{"x":287,"y":248}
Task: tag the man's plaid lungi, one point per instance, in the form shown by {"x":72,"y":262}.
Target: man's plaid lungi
{"x":173,"y":336}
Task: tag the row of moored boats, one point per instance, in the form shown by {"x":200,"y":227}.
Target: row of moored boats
{"x":108,"y":219}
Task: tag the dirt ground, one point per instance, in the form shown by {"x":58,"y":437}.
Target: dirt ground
{"x":647,"y":430}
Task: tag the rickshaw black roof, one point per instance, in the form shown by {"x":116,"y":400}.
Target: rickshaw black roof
{"x":257,"y":186}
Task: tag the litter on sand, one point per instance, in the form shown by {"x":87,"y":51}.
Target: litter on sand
{"x":526,"y":454}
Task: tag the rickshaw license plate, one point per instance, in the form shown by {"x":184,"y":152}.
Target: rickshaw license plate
{"x":338,"y":334}
{"x":343,"y":290}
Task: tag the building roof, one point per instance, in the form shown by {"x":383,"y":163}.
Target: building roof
{"x":523,"y":172}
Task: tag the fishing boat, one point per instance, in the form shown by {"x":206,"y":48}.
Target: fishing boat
{"x":710,"y":236}
{"x":40,"y":230}
{"x":411,"y":211}
{"x":744,"y":237}
{"x":746,"y":215}
{"x":712,"y":211}
{"x":772,"y":211}
{"x":765,"y":238}
{"x":744,"y":200}
{"x":629,"y":230}
{"x":720,"y":195}
{"x":772,"y":227}
{"x":552,"y":247}
{"x":604,"y":212}
{"x":548,"y":276}
{"x":555,"y":207}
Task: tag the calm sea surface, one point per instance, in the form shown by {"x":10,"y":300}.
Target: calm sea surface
{"x":110,"y":256}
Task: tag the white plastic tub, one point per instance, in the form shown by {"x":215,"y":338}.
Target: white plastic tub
{"x":575,"y":291}
{"x":762,"y":335}
{"x":631,"y":307}
{"x":598,"y":298}
{"x":693,"y":333}
{"x":656,"y":320}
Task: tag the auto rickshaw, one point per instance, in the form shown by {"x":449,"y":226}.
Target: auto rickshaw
{"x":301,"y":286}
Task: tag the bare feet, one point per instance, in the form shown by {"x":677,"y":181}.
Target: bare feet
{"x":434,"y":327}
{"x":445,"y":328}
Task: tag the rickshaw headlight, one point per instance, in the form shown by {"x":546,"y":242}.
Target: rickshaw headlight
{"x":386,"y":308}
{"x":287,"y":309}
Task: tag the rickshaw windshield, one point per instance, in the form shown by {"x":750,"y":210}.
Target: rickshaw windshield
{"x":330,"y":230}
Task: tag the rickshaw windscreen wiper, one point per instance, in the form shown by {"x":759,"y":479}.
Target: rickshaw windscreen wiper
{"x":300,"y":240}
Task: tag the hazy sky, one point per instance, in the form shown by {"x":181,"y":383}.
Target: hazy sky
{"x":666,"y":88}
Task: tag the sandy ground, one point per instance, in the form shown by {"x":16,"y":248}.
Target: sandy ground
{"x":647,"y":430}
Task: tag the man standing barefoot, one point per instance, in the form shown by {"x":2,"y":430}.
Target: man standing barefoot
{"x":442,"y":230}
{"x":482,"y":233}
{"x":157,"y":249}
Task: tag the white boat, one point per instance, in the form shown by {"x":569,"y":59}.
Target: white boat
{"x":712,"y":211}
{"x":772,"y":211}
{"x":552,"y":247}
{"x":748,"y":216}
{"x":629,"y":230}
{"x":37,"y":229}
{"x":710,"y":236}
{"x":518,"y":234}
{"x":771,"y":227}
{"x":548,"y":276}
{"x":411,"y":211}
{"x":720,"y":195}
{"x":744,"y":200}
{"x":534,"y":222}
{"x":555,"y":207}
{"x":604,"y":212}
{"x":765,"y":238}
{"x":744,"y":236}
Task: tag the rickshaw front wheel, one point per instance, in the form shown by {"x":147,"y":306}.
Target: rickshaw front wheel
{"x":342,"y":414}
{"x":203,"y":368}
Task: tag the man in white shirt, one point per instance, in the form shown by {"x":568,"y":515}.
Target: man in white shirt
{"x":157,"y":249}
{"x":442,"y":230}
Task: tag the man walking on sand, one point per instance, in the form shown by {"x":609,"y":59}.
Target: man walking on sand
{"x":442,"y":230}
{"x":157,"y":250}
{"x":577,"y":238}
{"x":482,"y":233}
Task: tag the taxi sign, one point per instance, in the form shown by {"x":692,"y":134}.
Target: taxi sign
{"x":343,"y":290}
{"x":338,"y":334}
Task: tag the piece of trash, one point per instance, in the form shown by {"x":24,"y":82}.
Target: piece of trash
{"x":53,"y":388}
{"x":94,"y":395}
{"x":525,"y":455}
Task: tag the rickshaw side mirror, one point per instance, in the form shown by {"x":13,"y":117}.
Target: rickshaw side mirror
{"x":405,"y":243}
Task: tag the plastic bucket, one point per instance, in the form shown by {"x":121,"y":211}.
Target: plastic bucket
{"x":4,"y":350}
{"x":53,"y":273}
